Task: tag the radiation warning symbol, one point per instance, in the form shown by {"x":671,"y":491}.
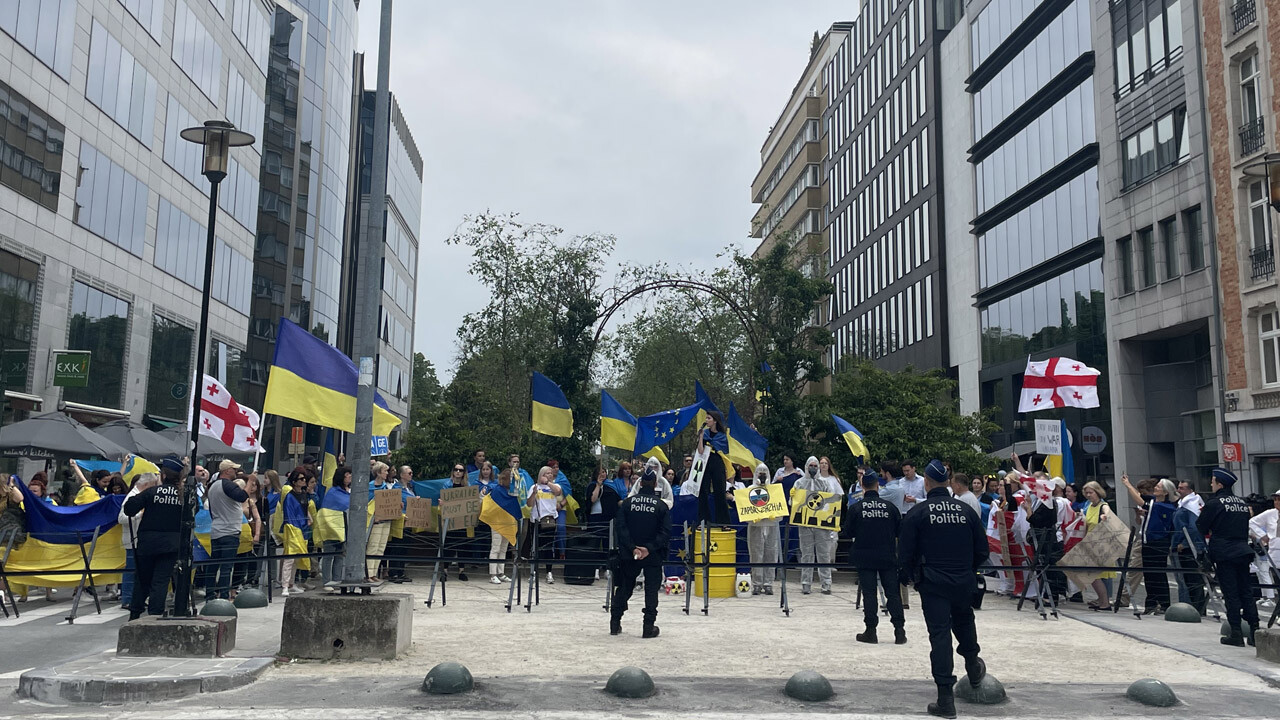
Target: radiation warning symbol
{"x":744,"y":586}
{"x":758,"y":496}
{"x":814,"y":502}
{"x":714,"y":546}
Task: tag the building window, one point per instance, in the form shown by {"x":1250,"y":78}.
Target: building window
{"x":1146,"y":246}
{"x":46,"y":28}
{"x":110,"y":201}
{"x":1156,"y":147}
{"x":1195,"y":245}
{"x":1243,"y":13}
{"x":31,"y":145}
{"x":1261,"y":254}
{"x":1269,"y":335}
{"x":99,"y":324}
{"x":1148,"y":39}
{"x":19,"y":278}
{"x":1251,"y":126}
{"x":1124,"y":251}
{"x":169,"y":377}
{"x":120,"y":85}
{"x":225,"y":364}
{"x":196,"y":52}
{"x":1169,"y":245}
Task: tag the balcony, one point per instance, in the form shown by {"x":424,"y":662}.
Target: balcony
{"x":1262,"y":260}
{"x":1243,"y":14}
{"x":1252,"y":136}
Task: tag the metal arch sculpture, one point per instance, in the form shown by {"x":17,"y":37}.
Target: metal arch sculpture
{"x":680,"y":285}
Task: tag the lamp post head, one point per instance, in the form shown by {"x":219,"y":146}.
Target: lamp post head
{"x":217,"y":137}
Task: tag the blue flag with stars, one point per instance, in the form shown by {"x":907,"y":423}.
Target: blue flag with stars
{"x":661,"y":428}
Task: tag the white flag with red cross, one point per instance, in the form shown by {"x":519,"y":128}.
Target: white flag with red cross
{"x":223,"y":418}
{"x":1058,"y":382}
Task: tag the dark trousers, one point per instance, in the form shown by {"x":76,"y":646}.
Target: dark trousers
{"x":888,"y":578}
{"x":946,"y":616}
{"x":1235,"y":578}
{"x":1048,"y":552}
{"x":542,"y":541}
{"x":152,"y":585}
{"x":1156,"y":555}
{"x":396,"y":547}
{"x":1194,"y":581}
{"x":223,"y":548}
{"x":624,"y":583}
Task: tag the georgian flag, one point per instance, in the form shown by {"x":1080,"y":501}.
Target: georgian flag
{"x":223,"y":418}
{"x":1058,"y":382}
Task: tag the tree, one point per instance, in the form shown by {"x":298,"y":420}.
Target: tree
{"x":905,"y":415}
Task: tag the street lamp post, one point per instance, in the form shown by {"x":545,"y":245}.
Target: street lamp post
{"x":217,"y":137}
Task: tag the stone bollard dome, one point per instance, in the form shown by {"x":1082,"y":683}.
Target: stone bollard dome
{"x":217,"y":608}
{"x":989,"y":692}
{"x":1150,"y":691}
{"x":448,"y":678}
{"x":1225,"y":629}
{"x":1182,"y":612}
{"x":251,"y":598}
{"x":810,"y":686}
{"x":630,"y":682}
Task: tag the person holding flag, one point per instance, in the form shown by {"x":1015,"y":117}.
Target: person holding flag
{"x":713,"y":444}
{"x":500,"y":511}
{"x":817,"y":545}
{"x":331,"y":525}
{"x":762,"y":541}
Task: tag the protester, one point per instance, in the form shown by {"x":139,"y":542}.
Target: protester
{"x":912,"y":485}
{"x":398,"y":543}
{"x":643,"y":531}
{"x":1157,"y":532}
{"x":874,"y":526}
{"x":605,"y":494}
{"x":1264,"y":528}
{"x":961,"y":489}
{"x":762,"y":541}
{"x":654,"y":465}
{"x":476,"y":461}
{"x":940,"y":550}
{"x":1044,"y":532}
{"x":1097,"y":508}
{"x":817,"y":545}
{"x":1225,"y":519}
{"x":1188,"y":545}
{"x":670,"y":477}
{"x":543,"y":503}
{"x":894,"y":489}
{"x":155,"y":538}
{"x":331,"y":525}
{"x":457,"y":479}
{"x":991,"y":491}
{"x":710,"y":489}
{"x":297,"y":513}
{"x":226,"y":508}
{"x":380,"y":531}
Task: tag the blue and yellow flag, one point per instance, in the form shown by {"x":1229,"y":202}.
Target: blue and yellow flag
{"x":702,"y":401}
{"x":746,"y":446}
{"x":551,"y":413}
{"x":1061,"y":464}
{"x":331,"y":518}
{"x":311,"y":381}
{"x":57,"y":537}
{"x":852,"y":437}
{"x":500,"y":510}
{"x":658,"y":428}
{"x":618,"y":428}
{"x":134,"y":466}
{"x":329,"y":463}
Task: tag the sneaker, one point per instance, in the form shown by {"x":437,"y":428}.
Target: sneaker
{"x":462,"y":575}
{"x":826,"y":589}
{"x":284,"y":592}
{"x":805,"y":590}
{"x":503,"y":578}
{"x":755,"y":591}
{"x":551,"y":579}
{"x":597,"y":574}
{"x":493,"y":580}
{"x":768,"y":589}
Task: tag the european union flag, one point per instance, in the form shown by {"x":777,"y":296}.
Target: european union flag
{"x":661,"y":428}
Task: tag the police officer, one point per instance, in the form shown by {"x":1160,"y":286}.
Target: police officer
{"x":874,"y":526}
{"x":642,"y":529}
{"x":156,"y":538}
{"x":941,"y":546}
{"x":1225,"y":519}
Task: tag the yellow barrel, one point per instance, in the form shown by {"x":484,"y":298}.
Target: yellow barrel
{"x":724,"y":549}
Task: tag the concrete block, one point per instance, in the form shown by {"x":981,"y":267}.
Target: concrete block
{"x":155,"y":636}
{"x":630,"y":682}
{"x":346,"y":627}
{"x":1268,"y":640}
{"x":810,"y":686}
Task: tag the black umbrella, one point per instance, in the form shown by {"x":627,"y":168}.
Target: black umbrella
{"x":138,"y":439}
{"x":210,"y":447}
{"x":55,"y":434}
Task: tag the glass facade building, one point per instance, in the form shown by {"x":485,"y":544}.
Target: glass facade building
{"x":1041,"y":288}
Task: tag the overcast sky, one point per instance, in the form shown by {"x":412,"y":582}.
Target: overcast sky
{"x":639,"y":119}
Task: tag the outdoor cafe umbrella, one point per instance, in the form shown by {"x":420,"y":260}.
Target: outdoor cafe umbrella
{"x":138,"y":439}
{"x":210,"y":447}
{"x":55,"y":435}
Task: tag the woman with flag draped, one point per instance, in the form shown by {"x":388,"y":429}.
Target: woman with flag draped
{"x":713,"y":445}
{"x":331,"y":525}
{"x":296,"y":512}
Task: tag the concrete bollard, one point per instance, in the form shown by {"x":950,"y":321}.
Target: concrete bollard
{"x":1150,"y":691}
{"x":630,"y":682}
{"x":809,"y":686}
{"x":251,"y":598}
{"x":216,"y":608}
{"x":448,"y":678}
{"x":989,"y":692}
{"x":1182,"y":612}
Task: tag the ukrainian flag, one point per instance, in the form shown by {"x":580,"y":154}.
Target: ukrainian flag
{"x":746,"y":446}
{"x":500,"y":510}
{"x":1061,"y":464}
{"x":313,"y":382}
{"x":551,"y":413}
{"x":852,"y":437}
{"x":134,"y":466}
{"x":331,"y":518}
{"x":57,"y":535}
{"x":330,"y":462}
{"x":618,"y":428}
{"x":702,"y":401}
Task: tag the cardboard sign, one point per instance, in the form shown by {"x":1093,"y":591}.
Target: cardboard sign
{"x":419,"y":514}
{"x":386,"y":505}
{"x":460,"y":506}
{"x":1048,"y":437}
{"x":812,"y":508}
{"x":761,"y":502}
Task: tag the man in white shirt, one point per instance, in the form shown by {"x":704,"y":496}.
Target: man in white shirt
{"x":960,"y":490}
{"x":1263,"y":528}
{"x":912,"y":485}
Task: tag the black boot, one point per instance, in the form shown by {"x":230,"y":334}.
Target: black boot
{"x":650,"y":631}
{"x":1253,"y":642}
{"x":868,"y":637}
{"x":945,"y":707}
{"x":900,"y":636}
{"x":977,"y":670}
{"x":1236,"y":638}
{"x":615,"y":625}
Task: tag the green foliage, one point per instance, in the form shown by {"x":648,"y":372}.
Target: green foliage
{"x":902,"y":415}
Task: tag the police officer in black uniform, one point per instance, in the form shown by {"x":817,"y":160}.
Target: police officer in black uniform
{"x":942,"y":544}
{"x":874,"y":525}
{"x":642,"y":529}
{"x":156,"y":538}
{"x":1225,"y":519}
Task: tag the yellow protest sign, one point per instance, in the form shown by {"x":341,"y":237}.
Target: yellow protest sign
{"x":812,"y":508}
{"x":760,"y":502}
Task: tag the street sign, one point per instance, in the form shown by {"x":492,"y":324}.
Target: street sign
{"x":1232,"y":452}
{"x":379,"y":446}
{"x":13,"y":372}
{"x":71,"y":368}
{"x":295,"y":436}
{"x":1093,"y":440}
{"x":296,"y":448}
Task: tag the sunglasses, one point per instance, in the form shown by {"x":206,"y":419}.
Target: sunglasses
{"x":457,"y":469}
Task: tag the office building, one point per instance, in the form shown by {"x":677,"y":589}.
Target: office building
{"x":883,"y":209}
{"x":102,"y":204}
{"x":1161,"y":334}
{"x":1241,"y":69}
{"x":1034,"y":152}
